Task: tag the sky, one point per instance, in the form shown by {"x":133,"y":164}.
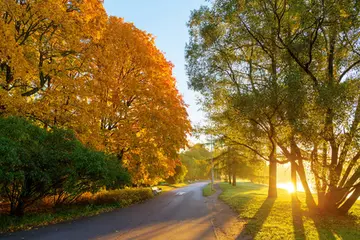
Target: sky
{"x":166,"y":20}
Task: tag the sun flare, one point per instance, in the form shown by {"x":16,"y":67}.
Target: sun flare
{"x":287,"y":186}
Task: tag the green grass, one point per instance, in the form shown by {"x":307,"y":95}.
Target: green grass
{"x":286,"y":219}
{"x":207,"y":191}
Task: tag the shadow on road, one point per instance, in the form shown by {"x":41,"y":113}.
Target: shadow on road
{"x":168,"y":216}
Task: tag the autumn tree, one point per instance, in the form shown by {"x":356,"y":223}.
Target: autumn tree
{"x":134,"y":100}
{"x":66,"y":64}
{"x":41,"y":54}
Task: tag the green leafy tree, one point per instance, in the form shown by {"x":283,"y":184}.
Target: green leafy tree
{"x":36,"y":163}
{"x":196,"y":159}
{"x":284,"y":74}
{"x":239,"y":80}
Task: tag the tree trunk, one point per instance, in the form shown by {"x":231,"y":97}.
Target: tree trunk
{"x":234,"y":179}
{"x":229,"y":176}
{"x":120,"y":155}
{"x":344,"y":209}
{"x":234,"y":174}
{"x":294,"y":180}
{"x":331,"y":198}
{"x":12,"y":208}
{"x":272,"y":193}
{"x":293,"y":167}
{"x":20,"y":208}
{"x":323,"y":186}
{"x":310,"y":202}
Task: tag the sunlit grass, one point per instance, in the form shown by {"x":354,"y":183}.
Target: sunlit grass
{"x":207,"y":191}
{"x":286,"y":219}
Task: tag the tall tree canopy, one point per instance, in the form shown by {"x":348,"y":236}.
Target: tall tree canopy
{"x":67,"y":64}
{"x":286,"y":74}
{"x":134,"y":96}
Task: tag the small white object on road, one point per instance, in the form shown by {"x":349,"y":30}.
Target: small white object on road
{"x":180,"y":193}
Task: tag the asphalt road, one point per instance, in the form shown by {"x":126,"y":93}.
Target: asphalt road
{"x":179,"y":214}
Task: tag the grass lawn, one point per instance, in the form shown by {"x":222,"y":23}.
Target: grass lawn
{"x":286,"y":219}
{"x":207,"y":191}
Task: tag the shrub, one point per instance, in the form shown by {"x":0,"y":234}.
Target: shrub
{"x":124,"y":197}
{"x":91,"y":171}
{"x":86,"y":172}
{"x":117,"y":176}
{"x":24,"y":174}
{"x":36,"y":163}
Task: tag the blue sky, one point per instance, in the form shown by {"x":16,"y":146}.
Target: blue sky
{"x":166,"y":20}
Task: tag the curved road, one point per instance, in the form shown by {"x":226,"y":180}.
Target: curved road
{"x":178,"y":214}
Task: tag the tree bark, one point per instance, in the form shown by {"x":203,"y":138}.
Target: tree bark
{"x":272,"y":193}
{"x":234,"y":179}
{"x":234,"y":174}
{"x":229,"y":170}
{"x":293,"y":167}
{"x":20,"y":209}
{"x":323,"y":186}
{"x":310,"y":202}
{"x":294,"y":180}
{"x":344,"y":209}
{"x":12,"y":208}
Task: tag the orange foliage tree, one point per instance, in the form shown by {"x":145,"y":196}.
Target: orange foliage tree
{"x":41,"y":54}
{"x":133,"y":93}
{"x":66,"y":64}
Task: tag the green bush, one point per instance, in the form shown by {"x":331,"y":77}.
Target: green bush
{"x":118,"y":176}
{"x":25,"y":172}
{"x":85,"y":172}
{"x":123,"y":196}
{"x":36,"y":163}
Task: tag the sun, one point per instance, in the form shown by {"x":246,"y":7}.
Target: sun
{"x":287,"y":186}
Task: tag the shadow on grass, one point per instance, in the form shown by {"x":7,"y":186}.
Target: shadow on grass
{"x":298,"y":222}
{"x":331,"y":227}
{"x":328,"y":227}
{"x":319,"y":222}
{"x":255,"y":223}
{"x":242,"y":193}
{"x":324,"y":232}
